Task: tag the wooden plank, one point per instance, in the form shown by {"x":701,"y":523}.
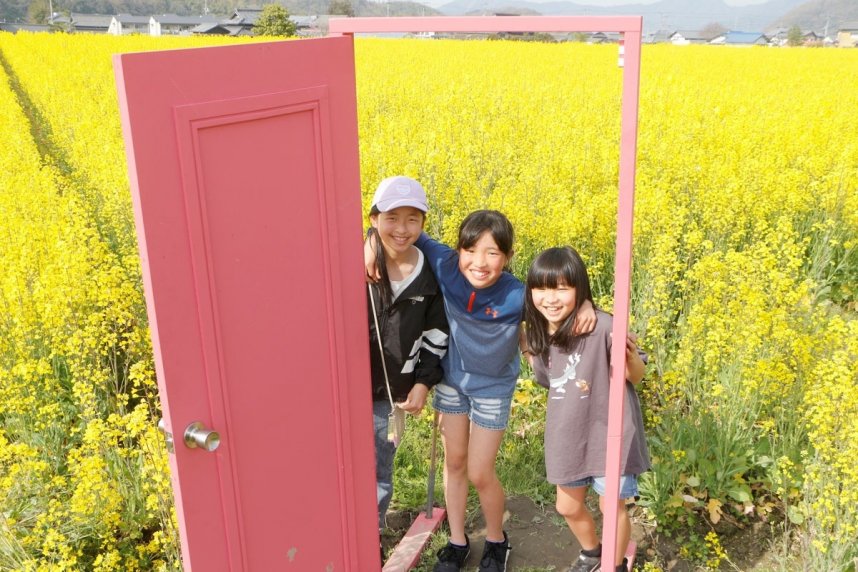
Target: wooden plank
{"x":407,"y":553}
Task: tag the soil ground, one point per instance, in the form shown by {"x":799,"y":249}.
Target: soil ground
{"x":541,"y":541}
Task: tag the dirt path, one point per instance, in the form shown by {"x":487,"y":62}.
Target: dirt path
{"x":539,"y":537}
{"x":541,"y":541}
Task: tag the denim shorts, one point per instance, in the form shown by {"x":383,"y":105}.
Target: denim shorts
{"x":628,"y":485}
{"x":487,"y":412}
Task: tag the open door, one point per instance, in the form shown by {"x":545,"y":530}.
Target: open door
{"x":244,"y":171}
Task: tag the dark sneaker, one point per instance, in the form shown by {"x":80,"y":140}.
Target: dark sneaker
{"x":495,"y":555}
{"x":586,"y":563}
{"x":451,"y":558}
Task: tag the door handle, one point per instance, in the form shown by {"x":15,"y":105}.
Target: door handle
{"x":168,"y":437}
{"x":196,"y":435}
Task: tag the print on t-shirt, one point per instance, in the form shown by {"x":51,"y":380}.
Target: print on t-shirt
{"x":558,"y":383}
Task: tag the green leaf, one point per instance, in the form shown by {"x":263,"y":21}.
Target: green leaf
{"x":794,"y":515}
{"x":693,"y":481}
{"x":741,"y":494}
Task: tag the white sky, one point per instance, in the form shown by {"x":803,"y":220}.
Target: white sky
{"x":621,"y":2}
{"x":613,"y":2}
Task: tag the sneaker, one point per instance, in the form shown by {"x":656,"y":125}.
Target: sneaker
{"x":451,"y":558}
{"x":495,"y":555}
{"x":586,"y":563}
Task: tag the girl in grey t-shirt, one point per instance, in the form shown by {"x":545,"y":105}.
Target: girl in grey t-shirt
{"x":576,"y":371}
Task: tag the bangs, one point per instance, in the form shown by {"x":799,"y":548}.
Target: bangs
{"x":547,"y":277}
{"x":551,"y":269}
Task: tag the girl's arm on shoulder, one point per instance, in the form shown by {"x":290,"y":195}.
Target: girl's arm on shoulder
{"x":372,"y":272}
{"x":433,"y":250}
{"x":585,"y":319}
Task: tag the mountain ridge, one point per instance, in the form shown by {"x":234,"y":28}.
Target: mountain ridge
{"x":662,"y":15}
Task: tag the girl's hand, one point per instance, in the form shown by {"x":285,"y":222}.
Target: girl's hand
{"x":372,"y":273}
{"x":522,"y":344}
{"x":635,"y":367}
{"x":416,"y":399}
{"x":585,"y":320}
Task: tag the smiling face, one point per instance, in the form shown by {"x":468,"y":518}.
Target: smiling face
{"x":555,"y":304}
{"x":483,"y":263}
{"x":398,"y":229}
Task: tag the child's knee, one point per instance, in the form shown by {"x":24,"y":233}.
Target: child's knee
{"x":456,"y":464}
{"x":621,"y":507}
{"x":481,"y":477}
{"x":569,"y":508}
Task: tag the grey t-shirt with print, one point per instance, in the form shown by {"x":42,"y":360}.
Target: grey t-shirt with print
{"x":577,"y":418}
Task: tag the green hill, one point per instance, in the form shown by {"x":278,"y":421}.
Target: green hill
{"x":16,"y":10}
{"x":816,"y":14}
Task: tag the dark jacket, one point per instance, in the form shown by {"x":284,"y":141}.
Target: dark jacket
{"x":414,"y":336}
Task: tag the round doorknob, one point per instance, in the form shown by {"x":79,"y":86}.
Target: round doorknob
{"x":196,"y":435}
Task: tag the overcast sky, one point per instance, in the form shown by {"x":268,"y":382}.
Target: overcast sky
{"x":621,"y":2}
{"x":436,"y":3}
{"x":609,"y":2}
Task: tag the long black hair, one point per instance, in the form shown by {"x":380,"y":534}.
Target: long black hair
{"x":553,"y":267}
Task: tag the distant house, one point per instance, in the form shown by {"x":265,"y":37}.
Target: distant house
{"x":124,"y":24}
{"x":604,"y":38}
{"x":243,"y":20}
{"x":686,"y":37}
{"x":809,"y":38}
{"x":659,"y":37}
{"x":741,"y":39}
{"x":780,"y":37}
{"x":847,"y":35}
{"x":213,"y":29}
{"x":90,"y":23}
{"x":13,"y":28}
{"x":171,"y":24}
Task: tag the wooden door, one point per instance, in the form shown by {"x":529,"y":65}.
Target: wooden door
{"x":245,"y":179}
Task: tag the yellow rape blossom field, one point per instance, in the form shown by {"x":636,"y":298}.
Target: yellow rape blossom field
{"x":744,"y":282}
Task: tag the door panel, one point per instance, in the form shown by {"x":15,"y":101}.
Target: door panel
{"x":247,"y":203}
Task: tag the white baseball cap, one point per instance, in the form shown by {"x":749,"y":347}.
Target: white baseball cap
{"x":399,"y":191}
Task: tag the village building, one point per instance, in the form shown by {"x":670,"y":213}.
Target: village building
{"x":686,"y":37}
{"x":88,"y":23}
{"x":124,"y":24}
{"x":847,"y":35}
{"x":741,"y":39}
{"x":172,"y":24}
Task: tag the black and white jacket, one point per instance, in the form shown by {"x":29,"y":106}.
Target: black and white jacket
{"x":414,"y":334}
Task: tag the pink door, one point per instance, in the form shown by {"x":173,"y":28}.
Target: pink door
{"x":244,"y":172}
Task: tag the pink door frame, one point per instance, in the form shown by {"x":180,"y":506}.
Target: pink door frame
{"x":630,"y":27}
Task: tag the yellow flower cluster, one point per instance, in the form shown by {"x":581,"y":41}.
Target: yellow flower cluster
{"x":831,"y":482}
{"x":83,"y":476}
{"x":745,"y":264}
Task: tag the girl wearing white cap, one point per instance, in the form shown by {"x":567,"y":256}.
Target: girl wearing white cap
{"x":406,"y":319}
